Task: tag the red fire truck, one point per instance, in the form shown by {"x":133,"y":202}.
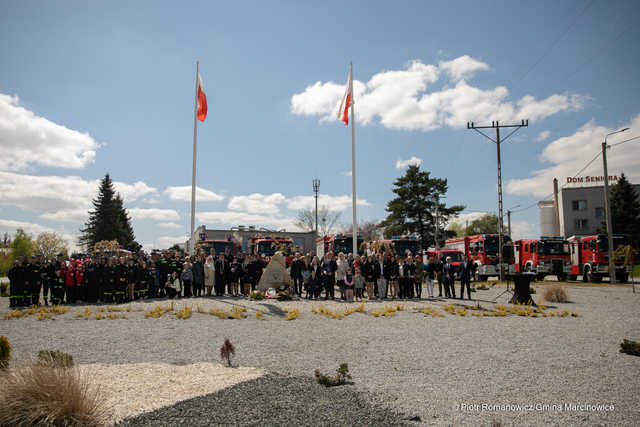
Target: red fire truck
{"x":337,"y":243}
{"x":482,"y":249}
{"x":264,"y":246}
{"x":218,"y":246}
{"x":400,"y":245}
{"x":590,"y":257}
{"x":548,"y":255}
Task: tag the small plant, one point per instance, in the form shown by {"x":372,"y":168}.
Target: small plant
{"x":5,"y":352}
{"x":185,"y":313}
{"x":99,"y":316}
{"x":259,"y":315}
{"x":114,"y":309}
{"x":86,"y":314}
{"x":630,"y":347}
{"x":227,"y":351}
{"x":256,"y":295}
{"x":237,"y":312}
{"x":292,"y":313}
{"x":556,"y":294}
{"x":38,"y":394}
{"x":56,"y":358}
{"x":342,"y":375}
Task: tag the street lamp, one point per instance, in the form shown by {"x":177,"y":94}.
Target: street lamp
{"x":607,"y":209}
{"x":509,"y":218}
{"x":316,"y":188}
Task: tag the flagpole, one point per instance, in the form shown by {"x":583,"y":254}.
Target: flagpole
{"x":193,"y":170}
{"x":353,"y":165}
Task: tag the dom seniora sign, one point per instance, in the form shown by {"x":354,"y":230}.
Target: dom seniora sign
{"x":590,"y":179}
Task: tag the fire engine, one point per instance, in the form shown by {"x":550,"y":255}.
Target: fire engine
{"x":548,"y":255}
{"x":264,"y":246}
{"x":337,"y":243}
{"x":482,"y":249}
{"x":401,"y":245}
{"x":218,"y":246}
{"x":590,"y":257}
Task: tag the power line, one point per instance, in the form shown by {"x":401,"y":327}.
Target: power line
{"x":557,"y":40}
{"x":622,"y":142}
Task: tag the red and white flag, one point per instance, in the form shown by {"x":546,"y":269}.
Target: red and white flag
{"x":202,"y":101}
{"x":343,"y":112}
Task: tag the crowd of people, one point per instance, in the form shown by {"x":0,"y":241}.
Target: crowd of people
{"x":110,"y":278}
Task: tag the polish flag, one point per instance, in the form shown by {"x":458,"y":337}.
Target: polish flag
{"x":202,"y":101}
{"x":343,"y":112}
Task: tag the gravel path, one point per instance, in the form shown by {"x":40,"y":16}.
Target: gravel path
{"x":436,"y":368}
{"x":271,"y":401}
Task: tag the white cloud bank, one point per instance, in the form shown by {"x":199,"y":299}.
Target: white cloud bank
{"x":543,"y":136}
{"x":28,"y":140}
{"x":568,"y":155}
{"x":413,"y":161}
{"x":408,"y":99}
{"x":183,"y":193}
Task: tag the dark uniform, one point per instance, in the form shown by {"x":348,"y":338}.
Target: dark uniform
{"x":142,"y":281}
{"x":16,"y":282}
{"x":110,"y":282}
{"x":48,"y":281}
{"x":122,"y":274}
{"x":57,"y":290}
{"x":33,"y":276}
{"x":91,"y":280}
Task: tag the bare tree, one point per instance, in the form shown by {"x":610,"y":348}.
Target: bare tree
{"x":369,"y":230}
{"x":47,"y":245}
{"x":327,"y":220}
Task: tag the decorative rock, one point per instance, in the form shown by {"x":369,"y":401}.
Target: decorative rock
{"x":276,"y":274}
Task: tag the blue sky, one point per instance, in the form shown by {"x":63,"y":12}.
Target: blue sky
{"x":90,"y":88}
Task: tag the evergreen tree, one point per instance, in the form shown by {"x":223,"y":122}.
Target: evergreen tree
{"x":413,"y":211}
{"x":108,"y":220}
{"x":625,"y":209}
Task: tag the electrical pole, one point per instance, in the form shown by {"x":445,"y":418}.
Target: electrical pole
{"x":509,"y":221}
{"x":497,"y":141}
{"x":316,"y":188}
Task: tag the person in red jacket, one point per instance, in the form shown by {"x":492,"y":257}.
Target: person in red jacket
{"x":69,"y":283}
{"x":81,"y":290}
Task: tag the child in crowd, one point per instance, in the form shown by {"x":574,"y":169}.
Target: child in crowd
{"x":348,"y":286}
{"x":173,"y":287}
{"x":358,"y":284}
{"x":187,"y":279}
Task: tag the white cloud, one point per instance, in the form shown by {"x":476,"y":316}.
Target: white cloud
{"x":257,"y":203}
{"x":522,"y":230}
{"x":229,"y":218}
{"x":169,"y":225}
{"x":184,"y":193}
{"x":67,"y":215}
{"x":465,"y":219}
{"x":168,"y":241}
{"x":153,"y":213}
{"x":62,"y":198}
{"x":406,"y":99}
{"x":27,"y":139}
{"x":568,"y":155}
{"x":333,"y":203}
{"x":543,"y":136}
{"x":463,"y":67}
{"x":413,"y":161}
{"x":347,"y":173}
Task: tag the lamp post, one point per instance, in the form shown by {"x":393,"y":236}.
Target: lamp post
{"x":316,"y":188}
{"x":607,"y":209}
{"x":509,"y":219}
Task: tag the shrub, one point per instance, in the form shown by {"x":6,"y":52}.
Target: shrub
{"x":46,"y":395}
{"x":56,"y":358}
{"x":226,"y":351}
{"x":630,"y":347}
{"x":5,"y":352}
{"x":342,"y":375}
{"x":556,"y":294}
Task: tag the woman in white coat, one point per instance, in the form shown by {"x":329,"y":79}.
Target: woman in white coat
{"x":209,"y":274}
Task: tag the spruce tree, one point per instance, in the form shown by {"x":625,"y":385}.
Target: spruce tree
{"x":108,"y":220}
{"x":625,"y":209}
{"x":413,"y":210}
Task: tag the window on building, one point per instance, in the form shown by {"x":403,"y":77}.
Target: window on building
{"x":580,"y":224}
{"x":599,"y":212}
{"x":579,"y":205}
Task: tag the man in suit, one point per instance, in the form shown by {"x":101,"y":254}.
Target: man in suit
{"x":381,"y":273}
{"x":449,"y":276}
{"x":465,"y":277}
{"x":223,"y":274}
{"x":329,"y":267}
{"x":296,"y":273}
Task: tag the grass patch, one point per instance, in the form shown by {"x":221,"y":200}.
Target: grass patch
{"x":555,"y":294}
{"x":342,"y":375}
{"x":55,"y":358}
{"x":630,"y":347}
{"x":44,"y":395}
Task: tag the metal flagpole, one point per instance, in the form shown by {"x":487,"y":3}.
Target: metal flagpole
{"x":353,"y":164}
{"x":193,"y":172}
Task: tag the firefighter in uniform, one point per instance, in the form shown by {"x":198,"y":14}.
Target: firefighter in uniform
{"x":15,"y":276}
{"x":122,"y":274}
{"x":110,"y":280}
{"x":48,"y":281}
{"x":58,"y":289}
{"x":91,"y":281}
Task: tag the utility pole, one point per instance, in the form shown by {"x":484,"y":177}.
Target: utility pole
{"x":498,"y":141}
{"x":316,"y":188}
{"x":509,"y":221}
{"x":607,"y":209}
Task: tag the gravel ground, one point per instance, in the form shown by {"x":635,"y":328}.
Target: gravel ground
{"x":274,"y":400}
{"x":436,"y":368}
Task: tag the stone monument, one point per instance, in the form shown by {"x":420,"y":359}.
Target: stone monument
{"x":276,"y":274}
